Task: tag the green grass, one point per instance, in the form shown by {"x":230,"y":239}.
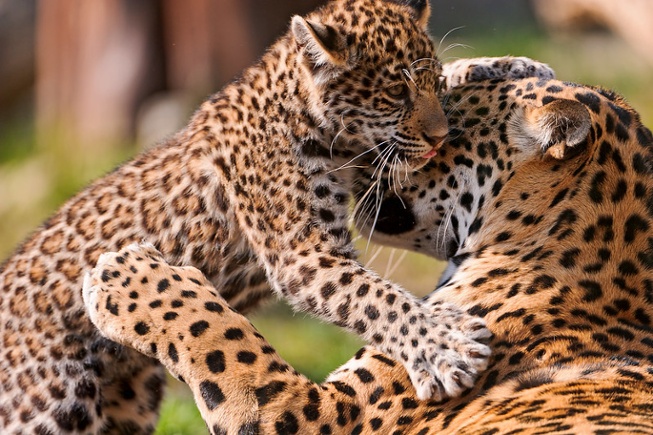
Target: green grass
{"x":179,"y":415}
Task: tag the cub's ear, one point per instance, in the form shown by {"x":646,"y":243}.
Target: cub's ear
{"x":325,"y":49}
{"x":420,"y":10}
{"x":556,"y":129}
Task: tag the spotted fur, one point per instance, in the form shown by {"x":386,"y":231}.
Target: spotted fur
{"x":254,"y":192}
{"x":542,"y":202}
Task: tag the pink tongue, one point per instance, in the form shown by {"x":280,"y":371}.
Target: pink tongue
{"x":432,"y":153}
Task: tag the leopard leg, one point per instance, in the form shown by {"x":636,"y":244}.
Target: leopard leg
{"x":174,"y":314}
{"x":132,"y":398}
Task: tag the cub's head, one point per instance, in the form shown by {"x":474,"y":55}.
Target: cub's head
{"x":374,"y":77}
{"x":529,"y":163}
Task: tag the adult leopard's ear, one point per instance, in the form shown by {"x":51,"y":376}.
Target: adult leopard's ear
{"x":420,"y":10}
{"x":324,"y":48}
{"x":559,"y":129}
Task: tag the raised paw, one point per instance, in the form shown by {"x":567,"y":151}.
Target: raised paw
{"x":132,"y":295}
{"x":476,"y":69}
{"x":448,"y":357}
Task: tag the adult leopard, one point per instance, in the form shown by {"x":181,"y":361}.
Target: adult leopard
{"x":247,"y":194}
{"x":542,"y":203}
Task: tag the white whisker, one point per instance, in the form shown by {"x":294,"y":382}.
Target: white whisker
{"x":374,"y":256}
{"x":445,"y":37}
{"x":379,"y":193}
{"x":357,"y":157}
{"x":410,"y":78}
{"x":335,"y":138}
{"x":397,"y":263}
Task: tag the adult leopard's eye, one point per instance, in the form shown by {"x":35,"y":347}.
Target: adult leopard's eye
{"x":398,"y":91}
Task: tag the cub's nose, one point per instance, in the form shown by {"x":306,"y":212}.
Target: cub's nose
{"x":433,"y":122}
{"x":434,"y":141}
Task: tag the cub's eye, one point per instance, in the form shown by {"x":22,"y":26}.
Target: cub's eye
{"x":398,"y":91}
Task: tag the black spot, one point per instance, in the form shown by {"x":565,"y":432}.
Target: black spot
{"x":75,"y":418}
{"x":622,"y":333}
{"x":408,"y":403}
{"x":172,"y":353}
{"x":627,"y":268}
{"x":311,"y":412}
{"x":288,"y":424}
{"x":322,"y":191}
{"x":113,"y":308}
{"x":496,"y":188}
{"x":596,"y":186}
{"x":141,"y":328}
{"x":476,"y":225}
{"x":246,"y":357}
{"x":376,"y":423}
{"x":516,"y":358}
{"x":198,"y":328}
{"x":327,"y":215}
{"x":620,"y":191}
{"x":503,"y":236}
{"x":346,"y":278}
{"x":85,"y":389}
{"x":371,"y":312}
{"x":566,"y":217}
{"x":533,"y":381}
{"x":386,"y":360}
{"x":467,"y":200}
{"x":568,"y":259}
{"x":170,"y":315}
{"x":644,"y":137}
{"x":234,"y":334}
{"x":633,"y":225}
{"x":268,"y":392}
{"x":622,"y":133}
{"x":162,"y":285}
{"x":344,"y":388}
{"x":215,"y":361}
{"x":363,"y":290}
{"x":559,"y":197}
{"x":126,"y":391}
{"x":364,"y":375}
{"x":328,"y":290}
{"x":640,"y":164}
{"x":212,"y":394}
{"x":513,"y":215}
{"x":593,"y":290}
{"x":214,"y":307}
{"x":590,"y":100}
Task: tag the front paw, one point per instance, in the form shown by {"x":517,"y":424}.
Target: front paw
{"x":448,"y":355}
{"x":114,"y":294}
{"x":477,"y":69}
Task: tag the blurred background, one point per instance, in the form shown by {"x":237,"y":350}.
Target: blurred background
{"x":86,"y":84}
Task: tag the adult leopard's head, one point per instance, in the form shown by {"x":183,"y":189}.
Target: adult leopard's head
{"x":533,"y":168}
{"x":374,"y":78}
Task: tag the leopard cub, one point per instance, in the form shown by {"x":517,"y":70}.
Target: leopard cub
{"x":254,"y":192}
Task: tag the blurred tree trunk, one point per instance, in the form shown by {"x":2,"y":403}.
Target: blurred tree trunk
{"x":207,"y":42}
{"x":92,"y":63}
{"x":630,"y":19}
{"x":98,"y":59}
